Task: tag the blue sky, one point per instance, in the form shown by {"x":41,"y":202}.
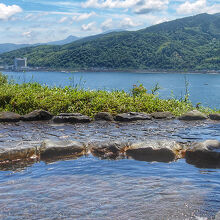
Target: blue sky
{"x":35,"y":21}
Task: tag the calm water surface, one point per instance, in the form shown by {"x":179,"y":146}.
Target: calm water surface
{"x":203,"y":88}
{"x":90,"y":188}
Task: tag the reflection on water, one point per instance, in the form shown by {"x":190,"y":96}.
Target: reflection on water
{"x":89,"y":188}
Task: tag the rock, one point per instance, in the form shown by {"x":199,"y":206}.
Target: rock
{"x":37,"y":115}
{"x":20,"y":152}
{"x":152,"y":150}
{"x":162,"y":115}
{"x":55,"y":150}
{"x":105,"y":116}
{"x":9,"y":117}
{"x":193,"y":115}
{"x":132,"y":116}
{"x":71,"y":118}
{"x":109,"y":150}
{"x":215,"y":116}
{"x":16,"y":166}
{"x":204,"y":154}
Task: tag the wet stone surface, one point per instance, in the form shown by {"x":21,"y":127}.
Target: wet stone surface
{"x":158,"y":140}
{"x":11,"y":133}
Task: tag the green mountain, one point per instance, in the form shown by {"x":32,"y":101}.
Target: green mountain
{"x":191,"y":43}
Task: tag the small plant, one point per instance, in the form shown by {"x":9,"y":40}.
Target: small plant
{"x":3,"y":79}
{"x":155,"y":89}
{"x":186,"y":97}
{"x":138,"y":90}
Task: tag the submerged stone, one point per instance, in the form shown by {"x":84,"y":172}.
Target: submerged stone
{"x":155,"y":151}
{"x":105,"y":116}
{"x":162,"y":115}
{"x":54,"y":150}
{"x":193,"y":115}
{"x":19,"y":152}
{"x":215,"y":116}
{"x":17,"y":165}
{"x":132,"y":116}
{"x":37,"y":115}
{"x":9,"y":117}
{"x":204,"y":154}
{"x":71,"y":118}
{"x":108,"y":150}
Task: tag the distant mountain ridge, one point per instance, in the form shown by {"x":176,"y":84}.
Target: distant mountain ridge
{"x":7,"y":47}
{"x":190,"y":43}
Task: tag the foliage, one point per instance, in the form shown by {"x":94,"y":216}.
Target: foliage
{"x":26,"y":97}
{"x":191,"y":43}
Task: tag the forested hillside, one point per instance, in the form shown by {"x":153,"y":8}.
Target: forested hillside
{"x":191,"y":43}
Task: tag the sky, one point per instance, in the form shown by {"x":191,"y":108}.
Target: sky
{"x":40,"y":21}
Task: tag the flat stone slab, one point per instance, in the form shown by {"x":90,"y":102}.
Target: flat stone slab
{"x":37,"y":115}
{"x":215,"y":116}
{"x":132,"y":116}
{"x":155,"y":151}
{"x":204,"y":155}
{"x":162,"y":115}
{"x":193,"y":115}
{"x":108,"y":150}
{"x":104,"y":116}
{"x":71,"y":118}
{"x":54,"y":150}
{"x":9,"y":117}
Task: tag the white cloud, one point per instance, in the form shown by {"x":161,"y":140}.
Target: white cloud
{"x":27,"y":34}
{"x":83,"y":16}
{"x":198,"y":6}
{"x":109,"y":3}
{"x":107,"y":24}
{"x":88,"y":27}
{"x":62,"y":20}
{"x":8,"y":11}
{"x":138,"y":6}
{"x":147,"y":6}
{"x":141,"y":6}
{"x":127,"y":23}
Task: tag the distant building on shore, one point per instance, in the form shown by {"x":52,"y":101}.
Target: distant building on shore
{"x":20,"y":63}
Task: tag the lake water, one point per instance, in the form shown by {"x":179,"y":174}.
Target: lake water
{"x":91,"y":188}
{"x":203,"y":88}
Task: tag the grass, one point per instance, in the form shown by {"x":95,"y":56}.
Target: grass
{"x":26,"y":97}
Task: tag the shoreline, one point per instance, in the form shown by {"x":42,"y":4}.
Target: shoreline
{"x":119,"y":71}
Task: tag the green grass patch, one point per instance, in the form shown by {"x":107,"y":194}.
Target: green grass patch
{"x":26,"y":97}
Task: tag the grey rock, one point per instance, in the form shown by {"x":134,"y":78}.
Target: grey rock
{"x":215,"y":116}
{"x":105,"y":116}
{"x":132,"y":116}
{"x":71,"y":118}
{"x":9,"y":117}
{"x":162,"y":115}
{"x":108,"y":150}
{"x":193,"y":115}
{"x":204,"y":154}
{"x":55,"y":150}
{"x":37,"y":115}
{"x":152,"y":150}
